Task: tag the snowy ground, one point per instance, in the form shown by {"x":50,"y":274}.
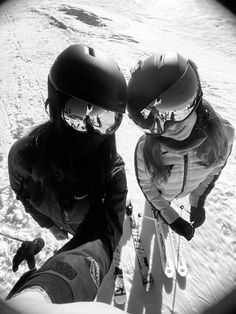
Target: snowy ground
{"x":32,"y":34}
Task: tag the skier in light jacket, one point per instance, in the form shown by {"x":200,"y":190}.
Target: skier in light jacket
{"x":186,"y":143}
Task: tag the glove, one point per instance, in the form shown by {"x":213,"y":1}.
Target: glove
{"x":27,"y":251}
{"x":58,"y":233}
{"x":183,"y":228}
{"x":197,"y":216}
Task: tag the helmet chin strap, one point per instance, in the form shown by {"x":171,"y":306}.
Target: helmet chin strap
{"x":196,"y":138}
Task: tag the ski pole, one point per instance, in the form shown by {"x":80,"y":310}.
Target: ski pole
{"x":146,"y":217}
{"x":181,"y":206}
{"x":20,"y":240}
{"x":11,"y":237}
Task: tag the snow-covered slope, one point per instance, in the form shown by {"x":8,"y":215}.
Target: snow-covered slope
{"x":32,"y":34}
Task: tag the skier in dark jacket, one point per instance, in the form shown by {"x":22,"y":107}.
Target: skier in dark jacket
{"x":70,"y":178}
{"x":67,"y":169}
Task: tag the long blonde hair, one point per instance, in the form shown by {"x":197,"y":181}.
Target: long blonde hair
{"x":210,"y":152}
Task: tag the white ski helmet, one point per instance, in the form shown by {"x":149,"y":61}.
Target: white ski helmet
{"x":163,"y":88}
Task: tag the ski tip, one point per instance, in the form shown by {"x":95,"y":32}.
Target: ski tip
{"x":120,"y":299}
{"x":148,"y":285}
{"x":169,"y":272}
{"x":182,"y":272}
{"x":148,"y":280}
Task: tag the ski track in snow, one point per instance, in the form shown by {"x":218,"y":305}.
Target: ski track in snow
{"x":32,"y":34}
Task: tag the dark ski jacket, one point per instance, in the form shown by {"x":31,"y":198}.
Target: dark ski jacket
{"x":53,"y":206}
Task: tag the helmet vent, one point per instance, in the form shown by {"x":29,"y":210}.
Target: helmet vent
{"x":91,"y":52}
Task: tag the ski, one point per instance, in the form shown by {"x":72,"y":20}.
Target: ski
{"x":165,"y":254}
{"x":119,"y":287}
{"x":145,"y":271}
{"x":180,"y":263}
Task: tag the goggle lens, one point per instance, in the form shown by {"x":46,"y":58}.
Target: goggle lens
{"x":88,"y":118}
{"x":157,"y":120}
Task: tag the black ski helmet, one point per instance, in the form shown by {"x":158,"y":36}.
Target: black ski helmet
{"x":167,"y":79}
{"x":87,"y":74}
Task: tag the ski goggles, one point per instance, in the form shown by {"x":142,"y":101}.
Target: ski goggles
{"x":184,"y":96}
{"x":88,"y":118}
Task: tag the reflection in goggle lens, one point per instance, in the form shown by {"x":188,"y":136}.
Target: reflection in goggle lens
{"x":156,"y":119}
{"x":87,"y":118}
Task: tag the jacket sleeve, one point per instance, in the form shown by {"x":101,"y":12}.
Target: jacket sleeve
{"x":19,"y":176}
{"x":115,"y":201}
{"x":106,"y":222}
{"x":150,"y":191}
{"x":198,"y":196}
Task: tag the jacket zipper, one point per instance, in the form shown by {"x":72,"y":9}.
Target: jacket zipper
{"x":185,"y":173}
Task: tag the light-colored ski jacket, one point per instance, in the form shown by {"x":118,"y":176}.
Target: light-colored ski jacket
{"x":188,"y":176}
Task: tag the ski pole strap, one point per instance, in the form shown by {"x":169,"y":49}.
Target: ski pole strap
{"x":157,"y":214}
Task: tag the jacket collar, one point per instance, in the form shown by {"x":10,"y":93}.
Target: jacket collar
{"x":196,"y":138}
